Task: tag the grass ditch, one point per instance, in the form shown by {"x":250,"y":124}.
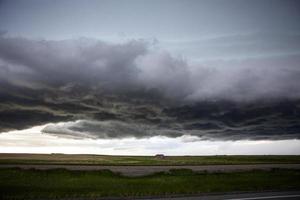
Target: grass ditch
{"x":18,"y":183}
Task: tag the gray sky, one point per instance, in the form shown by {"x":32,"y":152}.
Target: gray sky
{"x":192,"y":28}
{"x":166,"y":20}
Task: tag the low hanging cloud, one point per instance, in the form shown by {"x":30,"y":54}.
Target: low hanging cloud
{"x":270,"y":78}
{"x":108,"y":130}
{"x":110,"y":90}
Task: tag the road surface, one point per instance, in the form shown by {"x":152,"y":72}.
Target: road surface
{"x":293,"y":195}
{"x":145,"y":170}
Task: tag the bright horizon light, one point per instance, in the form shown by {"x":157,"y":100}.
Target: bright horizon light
{"x":32,"y":140}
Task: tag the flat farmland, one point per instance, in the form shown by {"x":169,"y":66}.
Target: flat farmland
{"x":61,"y":176}
{"x":82,"y":159}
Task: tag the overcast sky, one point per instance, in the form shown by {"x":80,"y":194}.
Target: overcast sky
{"x":165,"y":20}
{"x":193,"y":28}
{"x":215,"y":71}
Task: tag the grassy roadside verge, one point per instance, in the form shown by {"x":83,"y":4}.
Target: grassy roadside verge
{"x":142,"y":160}
{"x":20,"y":184}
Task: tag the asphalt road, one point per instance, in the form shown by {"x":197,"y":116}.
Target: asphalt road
{"x":293,"y":195}
{"x":145,"y":170}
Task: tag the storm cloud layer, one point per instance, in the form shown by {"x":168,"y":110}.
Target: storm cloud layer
{"x":132,"y":89}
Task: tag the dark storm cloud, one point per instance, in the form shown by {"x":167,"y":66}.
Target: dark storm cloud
{"x":132,"y":68}
{"x":206,"y":120}
{"x":108,"y":130}
{"x":110,"y":90}
{"x":58,"y":63}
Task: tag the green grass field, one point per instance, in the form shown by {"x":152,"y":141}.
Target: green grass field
{"x":141,"y":160}
{"x":26,"y":184}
